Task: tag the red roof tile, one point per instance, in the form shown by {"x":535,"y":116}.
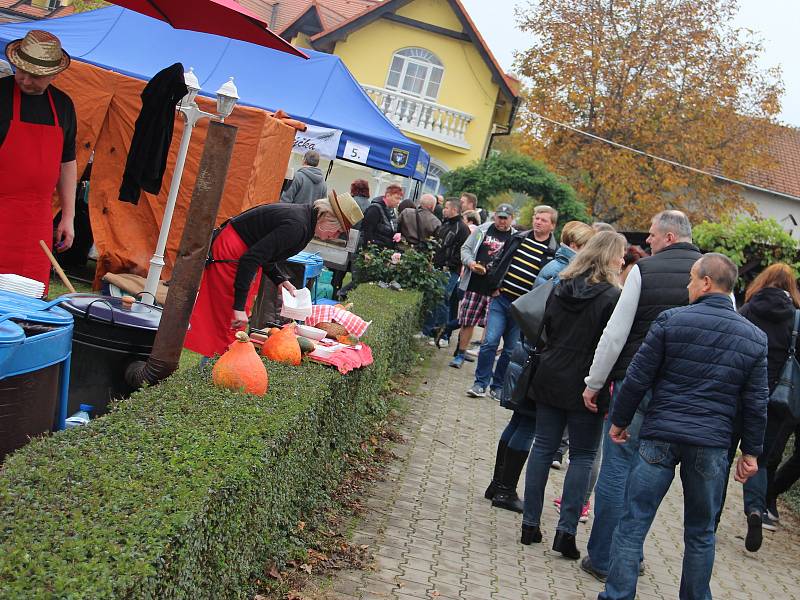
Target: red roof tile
{"x":331,"y":12}
{"x":784,"y":147}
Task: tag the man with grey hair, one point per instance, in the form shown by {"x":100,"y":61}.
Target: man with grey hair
{"x":653,"y":285}
{"x":308,"y":184}
{"x":418,"y":224}
{"x":702,"y":364}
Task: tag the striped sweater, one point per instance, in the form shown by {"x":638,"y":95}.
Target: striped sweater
{"x":528,"y":259}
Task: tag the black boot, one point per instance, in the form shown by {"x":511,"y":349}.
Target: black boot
{"x":531,"y":534}
{"x":498,"y":469}
{"x":505,"y":495}
{"x":565,"y":543}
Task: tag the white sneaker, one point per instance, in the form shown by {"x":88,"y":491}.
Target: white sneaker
{"x":473,"y":352}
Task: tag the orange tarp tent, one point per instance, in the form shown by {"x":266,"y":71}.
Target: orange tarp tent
{"x":107,"y":105}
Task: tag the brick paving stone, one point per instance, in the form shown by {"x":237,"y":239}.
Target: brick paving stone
{"x":431,"y":529}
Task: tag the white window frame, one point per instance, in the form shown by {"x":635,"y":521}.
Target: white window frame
{"x":435,"y":171}
{"x":419,"y":57}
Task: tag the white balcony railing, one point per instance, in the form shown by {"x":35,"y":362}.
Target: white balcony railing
{"x":422,"y":117}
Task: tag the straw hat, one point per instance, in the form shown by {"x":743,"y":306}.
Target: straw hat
{"x":38,"y":53}
{"x":347,"y":211}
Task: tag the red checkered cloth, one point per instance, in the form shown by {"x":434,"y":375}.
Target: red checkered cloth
{"x":472,"y":310}
{"x":325,"y":313}
{"x":346,"y":359}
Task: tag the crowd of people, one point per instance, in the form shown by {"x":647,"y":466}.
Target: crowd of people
{"x":643,"y":365}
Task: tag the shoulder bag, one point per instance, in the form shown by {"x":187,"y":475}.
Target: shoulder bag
{"x":786,"y":395}
{"x":528,"y":311}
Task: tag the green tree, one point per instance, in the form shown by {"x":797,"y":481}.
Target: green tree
{"x":84,"y":5}
{"x":673,"y":78}
{"x":511,"y":172}
{"x":751,"y":244}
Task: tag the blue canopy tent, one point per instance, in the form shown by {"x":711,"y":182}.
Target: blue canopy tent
{"x":319,"y":91}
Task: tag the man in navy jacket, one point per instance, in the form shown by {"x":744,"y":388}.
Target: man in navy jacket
{"x":702,"y":362}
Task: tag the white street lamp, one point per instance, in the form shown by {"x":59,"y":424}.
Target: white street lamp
{"x":227,"y":95}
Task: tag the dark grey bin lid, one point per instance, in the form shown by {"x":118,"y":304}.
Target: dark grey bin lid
{"x":110,"y":310}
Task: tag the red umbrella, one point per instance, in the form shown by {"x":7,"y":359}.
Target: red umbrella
{"x":220,"y":17}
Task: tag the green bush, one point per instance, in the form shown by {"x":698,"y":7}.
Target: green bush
{"x":411,"y":268}
{"x":512,"y":172}
{"x":752,"y":244}
{"x":185,"y":490}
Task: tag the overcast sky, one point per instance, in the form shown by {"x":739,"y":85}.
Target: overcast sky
{"x":776,"y":20}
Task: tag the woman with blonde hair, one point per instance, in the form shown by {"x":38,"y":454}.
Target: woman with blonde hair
{"x":576,"y":314}
{"x":770,"y":304}
{"x":574,"y":236}
{"x":515,"y":441}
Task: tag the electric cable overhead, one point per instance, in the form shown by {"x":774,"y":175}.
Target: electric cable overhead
{"x":667,"y":160}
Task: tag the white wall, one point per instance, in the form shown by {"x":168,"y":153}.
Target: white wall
{"x":783,"y":210}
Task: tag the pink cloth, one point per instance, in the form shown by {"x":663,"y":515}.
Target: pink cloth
{"x":325,"y":313}
{"x":346,"y":359}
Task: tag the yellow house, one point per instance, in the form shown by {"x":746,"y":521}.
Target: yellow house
{"x":423,"y":62}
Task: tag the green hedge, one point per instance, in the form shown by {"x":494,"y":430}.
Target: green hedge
{"x":186,"y":490}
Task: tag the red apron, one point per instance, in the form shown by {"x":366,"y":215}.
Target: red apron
{"x":210,"y":330}
{"x":30,"y":165}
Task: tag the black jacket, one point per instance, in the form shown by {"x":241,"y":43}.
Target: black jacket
{"x":379,"y":224}
{"x":576,"y":314}
{"x":452,"y":234}
{"x":772,"y":311}
{"x":665,"y":276}
{"x":272,"y":233}
{"x":703,"y":362}
{"x":499,"y":266}
{"x":152,"y":136}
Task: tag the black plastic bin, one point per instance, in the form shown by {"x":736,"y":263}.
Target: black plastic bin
{"x":106,"y":339}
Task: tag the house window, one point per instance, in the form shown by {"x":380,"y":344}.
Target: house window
{"x":433,"y":184}
{"x":417,"y":72}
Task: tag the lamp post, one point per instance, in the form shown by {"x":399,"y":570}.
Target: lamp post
{"x":227,"y":95}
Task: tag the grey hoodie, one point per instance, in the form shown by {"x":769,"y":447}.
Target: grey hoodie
{"x":308,"y":185}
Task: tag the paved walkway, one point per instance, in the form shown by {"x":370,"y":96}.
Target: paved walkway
{"x":435,"y":536}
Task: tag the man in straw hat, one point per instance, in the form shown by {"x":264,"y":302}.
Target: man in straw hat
{"x":260,"y":238}
{"x":37,"y":155}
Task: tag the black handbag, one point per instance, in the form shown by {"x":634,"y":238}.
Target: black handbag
{"x":519,"y":397}
{"x":785,"y":398}
{"x":528,"y":311}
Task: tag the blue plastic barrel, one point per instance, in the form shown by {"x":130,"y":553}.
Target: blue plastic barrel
{"x":34,"y":370}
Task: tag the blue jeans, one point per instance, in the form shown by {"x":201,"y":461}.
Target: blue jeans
{"x":757,"y":487}
{"x":703,"y":478}
{"x":584,"y":436}
{"x":609,"y":493}
{"x":519,"y":432}
{"x":499,"y":324}
{"x":438,"y":317}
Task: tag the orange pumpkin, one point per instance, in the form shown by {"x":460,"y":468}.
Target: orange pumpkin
{"x":240,"y":368}
{"x":283,"y":347}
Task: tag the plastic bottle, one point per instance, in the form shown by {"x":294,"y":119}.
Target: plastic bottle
{"x":81,"y":417}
